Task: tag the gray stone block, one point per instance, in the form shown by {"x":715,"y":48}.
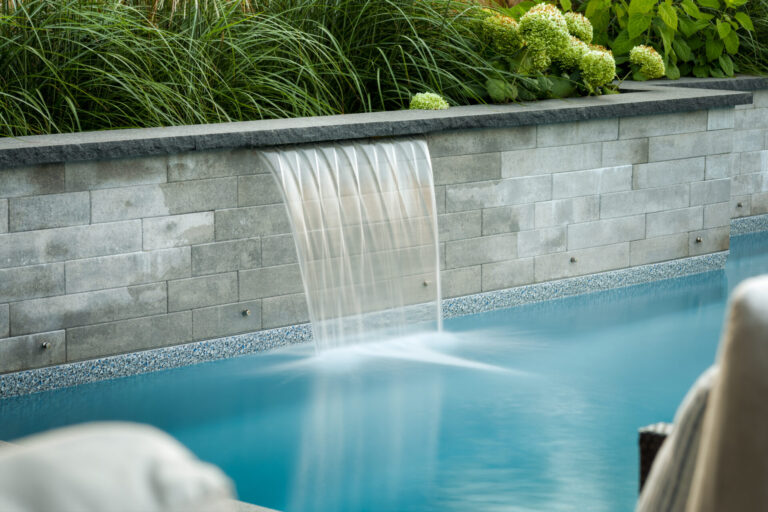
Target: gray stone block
{"x":39,"y":315}
{"x":127,"y":172}
{"x":689,"y":145}
{"x":567,"y":211}
{"x":760,"y":98}
{"x":466,"y":168}
{"x":24,"y":352}
{"x":3,"y":216}
{"x":717,"y":215}
{"x":721,"y":166}
{"x":748,"y":140}
{"x":198,"y":292}
{"x":541,"y":241}
{"x":221,"y":257}
{"x":663,"y":124}
{"x":49,"y":211}
{"x":490,"y":194}
{"x":31,"y":181}
{"x":474,"y":251}
{"x":578,"y":263}
{"x":284,"y":310}
{"x":197,"y":165}
{"x":127,"y":269}
{"x":529,"y":162}
{"x":625,"y":152}
{"x":753,"y":161}
{"x":440,"y":198}
{"x":460,"y":225}
{"x":664,"y":174}
{"x":606,"y":232}
{"x":674,"y":221}
{"x":720,"y":118}
{"x":741,"y":206}
{"x":20,"y":283}
{"x":270,"y":281}
{"x":226,"y":320}
{"x":178,"y":230}
{"x":712,"y":191}
{"x":759,"y":203}
{"x":507,"y":274}
{"x":712,"y":240}
{"x":471,"y":142}
{"x":5,"y":324}
{"x":252,"y":221}
{"x":278,"y":250}
{"x":649,"y":200}
{"x":580,"y":132}
{"x":746,"y":184}
{"x":128,"y":336}
{"x":165,"y":199}
{"x":751,"y":119}
{"x":458,"y":282}
{"x":257,"y":190}
{"x":591,"y":182}
{"x":60,"y":244}
{"x":653,"y":250}
{"x":508,"y":219}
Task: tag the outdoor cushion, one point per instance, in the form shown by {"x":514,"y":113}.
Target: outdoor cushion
{"x":108,"y":467}
{"x":669,"y":482}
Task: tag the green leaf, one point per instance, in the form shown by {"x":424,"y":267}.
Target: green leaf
{"x":726,"y":64}
{"x":682,"y":50}
{"x":701,"y":71}
{"x":500,"y":91}
{"x":637,"y":76}
{"x":716,"y":72}
{"x":744,"y":20}
{"x":622,"y":44}
{"x":690,"y":8}
{"x":638,"y":24}
{"x":732,"y":43}
{"x":710,"y":4}
{"x":714,"y":49}
{"x":565,"y":4}
{"x":562,"y":87}
{"x":723,"y":29}
{"x":666,"y":38}
{"x":687,"y":27}
{"x":641,"y":6}
{"x":673,"y":73}
{"x":668,"y":15}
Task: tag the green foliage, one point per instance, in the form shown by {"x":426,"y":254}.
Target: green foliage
{"x":545,"y":30}
{"x":579,"y":26}
{"x":502,"y":32}
{"x":598,"y":68}
{"x":649,"y":63}
{"x":753,"y":50}
{"x":73,"y":65}
{"x":428,"y":101}
{"x":693,"y":37}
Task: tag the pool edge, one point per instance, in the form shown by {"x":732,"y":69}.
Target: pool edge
{"x":136,"y":363}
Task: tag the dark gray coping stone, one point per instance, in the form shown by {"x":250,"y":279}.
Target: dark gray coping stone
{"x":737,"y":83}
{"x":642,"y":99}
{"x":135,"y":363}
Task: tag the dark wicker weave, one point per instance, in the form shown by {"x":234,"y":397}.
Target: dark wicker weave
{"x":650,"y":439}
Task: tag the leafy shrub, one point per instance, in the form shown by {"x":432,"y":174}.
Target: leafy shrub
{"x":648,"y":60}
{"x":694,"y":37}
{"x":753,"y":52}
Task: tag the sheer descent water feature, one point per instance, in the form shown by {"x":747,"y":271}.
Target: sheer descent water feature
{"x":364,"y":220}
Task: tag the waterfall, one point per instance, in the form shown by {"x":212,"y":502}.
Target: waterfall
{"x":364,"y":220}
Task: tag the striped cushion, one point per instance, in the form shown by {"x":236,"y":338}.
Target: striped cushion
{"x":669,"y":482}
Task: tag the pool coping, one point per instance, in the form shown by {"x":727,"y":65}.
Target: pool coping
{"x":135,"y":363}
{"x":640,"y":98}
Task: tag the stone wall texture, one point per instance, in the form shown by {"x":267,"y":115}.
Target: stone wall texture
{"x":100,"y":258}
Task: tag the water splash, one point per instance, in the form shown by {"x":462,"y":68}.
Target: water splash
{"x":364,"y":221}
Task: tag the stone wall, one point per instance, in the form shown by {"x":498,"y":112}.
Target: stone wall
{"x":105,"y":257}
{"x":749,"y":162}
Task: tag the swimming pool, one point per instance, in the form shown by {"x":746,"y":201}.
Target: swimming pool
{"x":531,"y":408}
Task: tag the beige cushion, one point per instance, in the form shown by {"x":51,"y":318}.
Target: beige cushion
{"x":108,"y":467}
{"x":669,"y":482}
{"x":732,"y":469}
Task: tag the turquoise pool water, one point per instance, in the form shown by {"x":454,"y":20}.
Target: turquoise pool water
{"x":531,"y":408}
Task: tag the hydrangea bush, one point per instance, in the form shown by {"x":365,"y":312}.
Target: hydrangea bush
{"x":648,"y":60}
{"x":428,"y":101}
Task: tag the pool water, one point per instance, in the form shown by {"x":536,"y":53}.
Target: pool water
{"x":531,"y":408}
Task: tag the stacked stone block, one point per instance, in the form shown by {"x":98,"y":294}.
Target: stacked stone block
{"x":748,"y":165}
{"x":100,"y":258}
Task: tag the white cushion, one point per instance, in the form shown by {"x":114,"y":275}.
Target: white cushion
{"x":669,"y":482}
{"x":108,"y":467}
